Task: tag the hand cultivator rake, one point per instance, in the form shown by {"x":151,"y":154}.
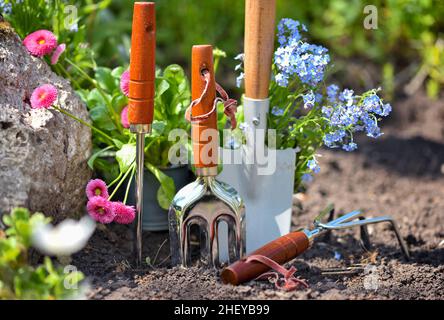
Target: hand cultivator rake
{"x":293,"y":244}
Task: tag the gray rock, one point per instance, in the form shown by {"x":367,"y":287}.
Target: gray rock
{"x":43,"y":153}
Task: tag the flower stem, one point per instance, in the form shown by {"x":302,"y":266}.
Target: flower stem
{"x":110,"y":108}
{"x":115,"y":180}
{"x":129,"y":184}
{"x":121,"y":180}
{"x":84,"y":123}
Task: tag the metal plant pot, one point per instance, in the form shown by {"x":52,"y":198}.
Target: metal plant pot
{"x":155,"y":218}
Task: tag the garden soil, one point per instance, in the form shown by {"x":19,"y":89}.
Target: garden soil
{"x":401,"y":174}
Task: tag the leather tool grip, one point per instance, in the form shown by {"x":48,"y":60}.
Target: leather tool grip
{"x":259,"y":44}
{"x":204,"y":132}
{"x":142,"y":64}
{"x":281,"y":250}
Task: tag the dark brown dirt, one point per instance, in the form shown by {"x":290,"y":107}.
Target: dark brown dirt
{"x":400,"y":174}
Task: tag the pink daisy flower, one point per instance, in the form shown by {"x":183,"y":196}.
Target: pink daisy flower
{"x":96,"y":188}
{"x":43,"y":96}
{"x":57,"y":53}
{"x":40,"y":43}
{"x":124,"y":214}
{"x":124,"y":118}
{"x":101,"y":210}
{"x":124,"y":82}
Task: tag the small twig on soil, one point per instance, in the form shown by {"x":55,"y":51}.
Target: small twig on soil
{"x":164,"y":260}
{"x":371,"y":258}
{"x":148,"y":260}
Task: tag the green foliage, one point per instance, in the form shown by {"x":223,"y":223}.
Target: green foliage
{"x":114,"y":150}
{"x":337,"y":24}
{"x":69,"y":21}
{"x":400,"y":39}
{"x":18,"y":279}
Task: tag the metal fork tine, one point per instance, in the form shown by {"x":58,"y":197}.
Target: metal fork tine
{"x":214,"y":242}
{"x":233,"y":242}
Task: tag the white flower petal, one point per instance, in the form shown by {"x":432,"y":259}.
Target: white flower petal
{"x":66,"y":238}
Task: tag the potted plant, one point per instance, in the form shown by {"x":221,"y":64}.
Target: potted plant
{"x":114,"y":146}
{"x":304,"y":114}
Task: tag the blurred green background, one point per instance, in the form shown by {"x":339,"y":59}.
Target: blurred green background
{"x":404,"y":54}
{"x":405,"y":49}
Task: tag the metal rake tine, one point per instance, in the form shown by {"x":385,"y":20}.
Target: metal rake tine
{"x":348,"y":224}
{"x":344,"y":220}
{"x":344,"y":223}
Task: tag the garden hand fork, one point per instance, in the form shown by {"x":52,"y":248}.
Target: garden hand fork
{"x":199,"y":209}
{"x":141,"y":97}
{"x":264,"y":177}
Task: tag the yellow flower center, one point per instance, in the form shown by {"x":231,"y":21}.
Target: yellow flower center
{"x":42,"y":96}
{"x":101,"y":211}
{"x":97,"y":191}
{"x":41,"y":41}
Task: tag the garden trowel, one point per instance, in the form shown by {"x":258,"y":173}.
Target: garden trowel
{"x":141,"y":97}
{"x":263,"y":176}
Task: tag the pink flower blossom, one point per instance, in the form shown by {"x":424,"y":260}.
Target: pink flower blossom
{"x":97,"y":188}
{"x":124,"y":82}
{"x":57,"y":53}
{"x":101,"y":210}
{"x":124,"y":118}
{"x":40,"y":43}
{"x":124,"y":214}
{"x":43,"y":96}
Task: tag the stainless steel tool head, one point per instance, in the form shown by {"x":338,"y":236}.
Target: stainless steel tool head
{"x":196,"y":217}
{"x":356,"y":219}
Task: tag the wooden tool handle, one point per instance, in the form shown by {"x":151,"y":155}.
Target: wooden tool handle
{"x":259,"y":44}
{"x":142,"y":64}
{"x":281,"y":250}
{"x":203,"y":133}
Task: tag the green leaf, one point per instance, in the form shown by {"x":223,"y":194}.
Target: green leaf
{"x":432,"y":87}
{"x":108,"y":169}
{"x":161,"y":86}
{"x":102,"y":118}
{"x":117,"y":72}
{"x":175,"y":73}
{"x":119,"y":144}
{"x":20,"y":213}
{"x":96,"y":155}
{"x":163,"y":198}
{"x":126,"y":156}
{"x":95,"y":99}
{"x":167,"y":189}
{"x":74,"y":278}
{"x":7,"y":220}
{"x":158,"y":127}
{"x":105,"y":79}
{"x":83,"y":93}
{"x":119,"y":101}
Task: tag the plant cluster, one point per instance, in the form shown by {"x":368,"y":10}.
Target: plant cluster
{"x":104,"y":93}
{"x":19,"y":279}
{"x":305,"y":113}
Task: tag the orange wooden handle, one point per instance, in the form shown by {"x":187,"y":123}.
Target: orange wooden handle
{"x":281,"y":250}
{"x":259,"y":44}
{"x":204,"y":133}
{"x":142,"y":64}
